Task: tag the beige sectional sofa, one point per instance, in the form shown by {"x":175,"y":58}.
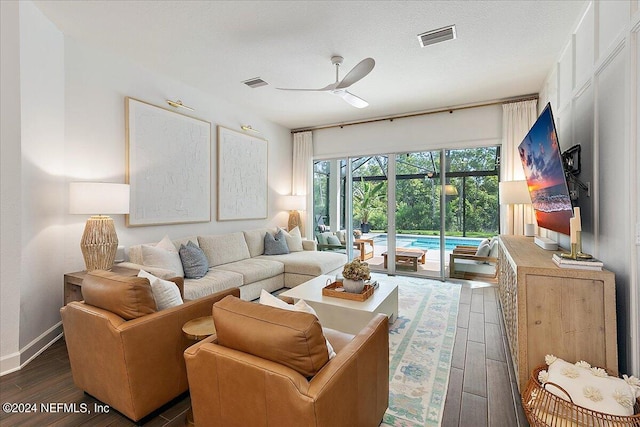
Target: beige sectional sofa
{"x":238,"y":260}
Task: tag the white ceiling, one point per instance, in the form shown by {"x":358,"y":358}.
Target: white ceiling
{"x":503,"y":49}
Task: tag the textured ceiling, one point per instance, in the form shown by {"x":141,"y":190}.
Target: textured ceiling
{"x":503,"y":49}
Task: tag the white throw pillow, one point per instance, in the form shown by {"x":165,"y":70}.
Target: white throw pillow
{"x":163,"y":255}
{"x":267,"y":299}
{"x":165,"y":292}
{"x":483,"y":248}
{"x":493,"y":248}
{"x":294,"y":239}
{"x":590,"y":387}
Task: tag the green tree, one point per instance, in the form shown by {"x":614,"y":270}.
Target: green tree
{"x":368,"y":197}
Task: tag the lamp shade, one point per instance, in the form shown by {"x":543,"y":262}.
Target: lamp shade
{"x":450,"y":190}
{"x":514,"y":193}
{"x":294,"y":203}
{"x":93,"y":198}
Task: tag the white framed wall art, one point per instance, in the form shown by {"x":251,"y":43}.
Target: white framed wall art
{"x":242,"y":176}
{"x":168,"y":166}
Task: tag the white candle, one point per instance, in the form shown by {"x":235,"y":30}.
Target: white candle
{"x":572,"y":227}
{"x":576,"y":215}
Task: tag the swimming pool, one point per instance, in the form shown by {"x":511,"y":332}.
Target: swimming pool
{"x":426,"y":242}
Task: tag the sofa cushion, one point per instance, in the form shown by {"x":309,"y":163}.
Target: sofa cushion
{"x":194,"y":261}
{"x":290,"y":338}
{"x":184,"y":240}
{"x":224,"y":248}
{"x":255,"y":240}
{"x":310,"y":263}
{"x":255,"y":269}
{"x":275,"y":244}
{"x":214,"y":281}
{"x":165,"y":292}
{"x":474,"y":267}
{"x":129,"y":297}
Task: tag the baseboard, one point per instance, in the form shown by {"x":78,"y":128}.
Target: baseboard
{"x":546,"y":243}
{"x":10,"y":363}
{"x":19,"y":360}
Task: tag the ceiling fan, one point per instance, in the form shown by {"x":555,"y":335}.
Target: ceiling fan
{"x":339,"y":88}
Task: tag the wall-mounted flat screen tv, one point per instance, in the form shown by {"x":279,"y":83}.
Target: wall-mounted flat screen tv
{"x":543,"y":170}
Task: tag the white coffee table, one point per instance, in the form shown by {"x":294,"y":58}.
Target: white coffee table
{"x":343,"y":314}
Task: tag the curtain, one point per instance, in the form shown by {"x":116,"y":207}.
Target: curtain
{"x":302,"y":178}
{"x":517,"y":119}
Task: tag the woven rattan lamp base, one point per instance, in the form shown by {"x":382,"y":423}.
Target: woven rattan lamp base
{"x":99,"y":243}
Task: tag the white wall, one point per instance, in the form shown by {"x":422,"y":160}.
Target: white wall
{"x":472,"y":127}
{"x":10,"y":219}
{"x":593,"y":91}
{"x":32,"y":182}
{"x":63,"y":120}
{"x":42,"y":178}
{"x":96,"y":86}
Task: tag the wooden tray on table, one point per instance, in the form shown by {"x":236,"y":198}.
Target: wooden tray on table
{"x":331,"y":291}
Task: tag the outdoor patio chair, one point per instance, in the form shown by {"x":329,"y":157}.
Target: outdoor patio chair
{"x":330,"y":241}
{"x":475,"y":262}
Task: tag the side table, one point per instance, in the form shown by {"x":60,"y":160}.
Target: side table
{"x":73,"y":282}
{"x":198,"y":329}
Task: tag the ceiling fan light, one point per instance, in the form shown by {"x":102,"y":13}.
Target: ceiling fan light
{"x":351,"y":99}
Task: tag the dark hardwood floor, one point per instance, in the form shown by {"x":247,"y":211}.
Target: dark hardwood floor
{"x":482,"y":389}
{"x":482,"y":385}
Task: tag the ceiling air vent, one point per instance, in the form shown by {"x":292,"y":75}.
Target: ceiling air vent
{"x":437,"y":36}
{"x":255,"y":82}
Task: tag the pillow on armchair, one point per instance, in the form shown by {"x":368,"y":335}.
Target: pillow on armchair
{"x":290,"y":338}
{"x":129,"y":297}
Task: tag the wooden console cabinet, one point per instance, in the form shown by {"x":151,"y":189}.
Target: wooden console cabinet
{"x":570,"y":313}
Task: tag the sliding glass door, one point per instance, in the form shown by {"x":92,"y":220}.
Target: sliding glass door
{"x":418,"y":216}
{"x":405,"y":213}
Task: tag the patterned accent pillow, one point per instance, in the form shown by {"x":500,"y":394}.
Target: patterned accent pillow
{"x":590,"y":387}
{"x":194,"y":261}
{"x":275,"y":245}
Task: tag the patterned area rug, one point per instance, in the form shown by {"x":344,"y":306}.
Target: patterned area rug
{"x":420,"y":346}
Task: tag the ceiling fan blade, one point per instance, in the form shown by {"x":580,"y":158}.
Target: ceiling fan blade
{"x":322,"y":89}
{"x":351,"y":98}
{"x":363,"y":68}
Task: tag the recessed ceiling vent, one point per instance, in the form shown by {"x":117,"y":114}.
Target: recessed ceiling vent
{"x":255,"y":82}
{"x":437,"y":36}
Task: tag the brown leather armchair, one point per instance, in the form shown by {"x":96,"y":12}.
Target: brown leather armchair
{"x":133,"y":360}
{"x":230,"y":387}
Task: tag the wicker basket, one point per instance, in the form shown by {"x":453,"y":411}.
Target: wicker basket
{"x":543,"y":408}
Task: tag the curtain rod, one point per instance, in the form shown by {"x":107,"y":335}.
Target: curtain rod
{"x":423,"y":113}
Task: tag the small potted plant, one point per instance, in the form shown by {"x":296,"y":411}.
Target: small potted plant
{"x":355,"y":273}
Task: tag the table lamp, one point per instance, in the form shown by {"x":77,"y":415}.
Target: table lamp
{"x":99,"y":241}
{"x":294,"y":204}
{"x":516,"y":193}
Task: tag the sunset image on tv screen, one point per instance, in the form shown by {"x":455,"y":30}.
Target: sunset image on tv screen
{"x":540,"y":155}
